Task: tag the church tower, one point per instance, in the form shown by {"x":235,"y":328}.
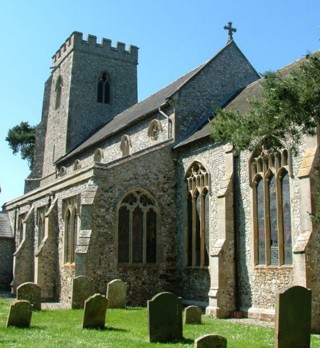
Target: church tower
{"x":90,"y":83}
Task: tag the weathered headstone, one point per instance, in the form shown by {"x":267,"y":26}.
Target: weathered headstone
{"x":117,"y":294}
{"x":20,"y":314}
{"x":82,"y":288}
{"x":293,"y":318}
{"x":30,"y":292}
{"x":165,"y":318}
{"x":210,"y":341}
{"x":192,"y":315}
{"x":95,"y":308}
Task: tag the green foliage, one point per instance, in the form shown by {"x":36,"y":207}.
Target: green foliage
{"x":288,"y":107}
{"x":21,"y":138}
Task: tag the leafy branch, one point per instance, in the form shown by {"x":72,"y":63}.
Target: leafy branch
{"x":21,"y":138}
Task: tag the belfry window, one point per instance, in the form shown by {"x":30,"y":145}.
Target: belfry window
{"x":137,"y":229}
{"x":58,"y":91}
{"x":70,"y":231}
{"x":103,"y":89}
{"x":197,"y":179}
{"x":271,"y":207}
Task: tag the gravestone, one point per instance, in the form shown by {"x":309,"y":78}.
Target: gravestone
{"x":82,"y":288}
{"x":20,"y":314}
{"x":192,"y":315}
{"x":117,"y":294}
{"x":293,"y":318}
{"x":165,"y":318}
{"x":30,"y":292}
{"x":95,"y":308}
{"x":210,"y":341}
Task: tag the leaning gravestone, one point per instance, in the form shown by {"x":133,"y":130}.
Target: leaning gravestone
{"x":82,"y":288}
{"x":117,"y":294}
{"x":20,"y":314}
{"x":30,"y":292}
{"x":95,"y":308}
{"x":192,"y":315}
{"x":293,"y":318}
{"x":210,"y":341}
{"x":165,"y":318}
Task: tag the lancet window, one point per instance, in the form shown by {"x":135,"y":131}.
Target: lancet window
{"x":137,"y":228}
{"x":270,"y":180}
{"x":197,"y":180}
{"x":70,"y":230}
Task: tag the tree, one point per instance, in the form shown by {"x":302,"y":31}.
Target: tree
{"x":288,"y":107}
{"x":21,"y":138}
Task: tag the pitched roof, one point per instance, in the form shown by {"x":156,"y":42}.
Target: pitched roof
{"x":5,"y":227}
{"x":138,"y":111}
{"x":238,"y":102}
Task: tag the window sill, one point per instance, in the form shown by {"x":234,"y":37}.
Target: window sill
{"x":272,"y":267}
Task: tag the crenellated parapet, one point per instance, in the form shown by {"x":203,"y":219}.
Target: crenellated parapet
{"x":76,"y":42}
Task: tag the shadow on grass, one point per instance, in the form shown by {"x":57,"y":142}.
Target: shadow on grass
{"x":183,"y":341}
{"x":107,"y":328}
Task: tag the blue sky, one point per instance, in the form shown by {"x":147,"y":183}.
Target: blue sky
{"x":173,"y":36}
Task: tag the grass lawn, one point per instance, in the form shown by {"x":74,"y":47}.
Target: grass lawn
{"x":125,"y":328}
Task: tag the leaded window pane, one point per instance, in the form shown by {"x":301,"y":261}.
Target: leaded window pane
{"x":260,"y":223}
{"x":189,"y":235}
{"x":286,"y":217}
{"x":197,"y":222}
{"x":274,"y":241}
{"x":151,"y":236}
{"x":137,"y":235}
{"x":123,"y":235}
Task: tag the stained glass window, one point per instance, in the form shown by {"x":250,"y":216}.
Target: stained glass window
{"x":137,"y":229}
{"x":260,"y":223}
{"x":286,"y":218}
{"x":272,"y":210}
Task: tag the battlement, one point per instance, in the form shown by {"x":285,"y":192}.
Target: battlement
{"x":76,"y":42}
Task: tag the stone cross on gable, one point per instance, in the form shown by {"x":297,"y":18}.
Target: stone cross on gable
{"x":230,"y":31}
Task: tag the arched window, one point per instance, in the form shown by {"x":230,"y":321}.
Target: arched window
{"x":137,"y":229}
{"x":197,"y":180}
{"x":58,"y":91}
{"x":154,"y":129}
{"x":125,"y":145}
{"x":103,"y":95}
{"x":272,"y":212}
{"x":70,"y":231}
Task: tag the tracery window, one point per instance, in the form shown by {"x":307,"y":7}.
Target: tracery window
{"x":137,"y":228}
{"x":103,"y":95}
{"x":70,"y":230}
{"x":269,"y":171}
{"x":197,"y":179}
{"x":58,"y":91}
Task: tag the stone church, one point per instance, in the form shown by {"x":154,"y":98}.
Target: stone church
{"x":139,"y":190}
